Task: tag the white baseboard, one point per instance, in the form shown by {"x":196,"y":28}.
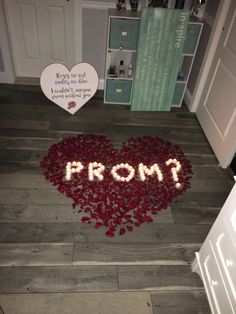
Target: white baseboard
{"x":194,"y":265}
{"x":101,"y":84}
{"x":197,"y":268}
{"x":188,"y":98}
{"x":3,"y":78}
{"x":7,"y":77}
{"x":208,"y":19}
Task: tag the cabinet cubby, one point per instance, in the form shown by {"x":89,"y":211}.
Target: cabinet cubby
{"x":122,"y":42}
{"x":189,"y":51}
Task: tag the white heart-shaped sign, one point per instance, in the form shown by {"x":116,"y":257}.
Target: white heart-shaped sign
{"x":69,"y":89}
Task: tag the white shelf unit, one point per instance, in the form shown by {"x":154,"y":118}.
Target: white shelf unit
{"x":191,"y":44}
{"x":216,"y":260}
{"x":121,"y":25}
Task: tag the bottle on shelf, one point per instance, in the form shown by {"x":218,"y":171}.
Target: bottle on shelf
{"x":121,"y":69}
{"x":130,"y":70}
{"x":121,"y":5}
{"x":112,"y":71}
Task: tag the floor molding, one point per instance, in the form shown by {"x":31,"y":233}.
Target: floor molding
{"x":35,"y":81}
{"x":101,"y":84}
{"x":208,"y":19}
{"x":188,"y":98}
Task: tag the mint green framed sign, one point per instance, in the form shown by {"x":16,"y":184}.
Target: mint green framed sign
{"x":161,"y":37}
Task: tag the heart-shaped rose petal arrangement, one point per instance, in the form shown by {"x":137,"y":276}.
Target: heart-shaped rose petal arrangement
{"x":118,"y":188}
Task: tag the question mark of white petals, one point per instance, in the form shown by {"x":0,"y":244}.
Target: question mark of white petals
{"x":174,"y":171}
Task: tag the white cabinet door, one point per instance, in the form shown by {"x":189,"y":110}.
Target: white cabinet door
{"x":41,"y":32}
{"x":216,"y":260}
{"x":214,"y":283}
{"x":217,"y":107}
{"x":225,"y":250}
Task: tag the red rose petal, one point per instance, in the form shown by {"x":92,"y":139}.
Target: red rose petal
{"x":122,"y":231}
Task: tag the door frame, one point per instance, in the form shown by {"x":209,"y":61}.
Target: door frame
{"x":78,"y":31}
{"x":210,"y":53}
{"x":8,"y":75}
{"x":6,"y":41}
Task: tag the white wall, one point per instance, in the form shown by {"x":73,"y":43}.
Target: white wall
{"x":94,"y":37}
{"x":94,"y":25}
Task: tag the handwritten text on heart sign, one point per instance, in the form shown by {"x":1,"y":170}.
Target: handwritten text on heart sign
{"x":67,"y":84}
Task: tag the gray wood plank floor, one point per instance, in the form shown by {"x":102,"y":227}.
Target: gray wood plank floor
{"x":50,"y":262}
